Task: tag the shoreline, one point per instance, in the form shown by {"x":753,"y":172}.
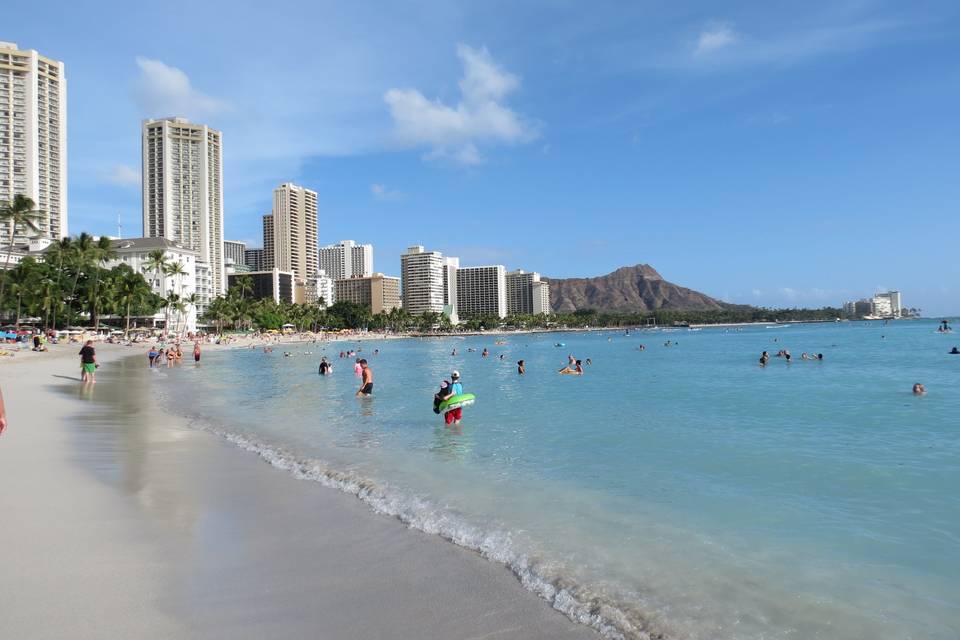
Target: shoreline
{"x":176,"y":534}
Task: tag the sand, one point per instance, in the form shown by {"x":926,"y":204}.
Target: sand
{"x":119,"y":521}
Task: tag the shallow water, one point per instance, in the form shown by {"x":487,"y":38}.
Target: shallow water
{"x":681,"y":490}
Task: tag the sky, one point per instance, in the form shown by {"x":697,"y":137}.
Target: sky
{"x":767,"y":153}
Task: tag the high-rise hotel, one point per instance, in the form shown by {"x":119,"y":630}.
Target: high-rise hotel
{"x":347,"y":259}
{"x":183,"y":195}
{"x":33,"y":135}
{"x":422,"y":278}
{"x":292,"y":242}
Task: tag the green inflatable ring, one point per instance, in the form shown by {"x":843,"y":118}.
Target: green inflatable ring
{"x":457,"y":401}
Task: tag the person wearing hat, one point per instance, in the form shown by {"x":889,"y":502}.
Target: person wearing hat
{"x":454,"y":415}
{"x":441,"y":395}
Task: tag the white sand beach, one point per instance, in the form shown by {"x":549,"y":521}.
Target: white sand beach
{"x":119,"y":521}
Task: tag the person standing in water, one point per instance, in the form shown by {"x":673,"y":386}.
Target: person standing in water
{"x":521,"y":367}
{"x":358,"y":368}
{"x":196,"y":352}
{"x":88,"y":363}
{"x":455,"y":389}
{"x":366,"y":379}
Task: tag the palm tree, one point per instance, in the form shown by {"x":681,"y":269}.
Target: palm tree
{"x":82,"y":258}
{"x":169,"y":304}
{"x":192,"y":300}
{"x":132,"y":290}
{"x":176,"y":270}
{"x":19,"y":213}
{"x":158,"y":263}
{"x":59,"y":251}
{"x":243,"y":285}
{"x":102,"y":253}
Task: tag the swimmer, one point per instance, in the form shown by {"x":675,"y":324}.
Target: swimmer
{"x":485,"y":353}
{"x":918,"y":389}
{"x":521,"y":367}
{"x":954,"y":351}
{"x":325,"y":367}
{"x":820,"y":357}
{"x":571,"y":360}
{"x":577,"y":370}
{"x":764,"y":358}
{"x":454,"y":352}
{"x":589,"y":361}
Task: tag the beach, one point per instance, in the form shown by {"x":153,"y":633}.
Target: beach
{"x":119,"y":520}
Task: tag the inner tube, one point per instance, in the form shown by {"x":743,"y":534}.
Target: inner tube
{"x":457,"y":401}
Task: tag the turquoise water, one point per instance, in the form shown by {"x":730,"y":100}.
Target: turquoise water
{"x":680,"y":490}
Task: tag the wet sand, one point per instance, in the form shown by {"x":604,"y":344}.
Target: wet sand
{"x":121,"y":521}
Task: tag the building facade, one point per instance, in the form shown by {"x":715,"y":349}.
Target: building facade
{"x":293,"y":239}
{"x":268,"y":259}
{"x":421,"y":275}
{"x":234,"y":252}
{"x":33,"y":136}
{"x":526,"y":293}
{"x":482,"y":291}
{"x":379,"y":293}
{"x":541,"y":298}
{"x":271,"y":284}
{"x":135,"y":253}
{"x":183,"y":191}
{"x":255,"y":259}
{"x":450,"y":266}
{"x":346,"y":259}
{"x":321,"y":289}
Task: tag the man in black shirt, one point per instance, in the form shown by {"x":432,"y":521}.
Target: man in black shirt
{"x":88,"y":362}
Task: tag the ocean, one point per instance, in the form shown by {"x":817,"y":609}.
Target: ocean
{"x":677,"y":491}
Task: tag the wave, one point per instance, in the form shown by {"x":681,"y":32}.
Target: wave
{"x":591,"y":606}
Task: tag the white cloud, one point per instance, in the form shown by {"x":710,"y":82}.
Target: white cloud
{"x":123,"y":175}
{"x":480,"y":117}
{"x":384,"y":194}
{"x":162,"y":90}
{"x":714,"y":39}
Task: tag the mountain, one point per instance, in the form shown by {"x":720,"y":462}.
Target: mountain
{"x":628,"y":289}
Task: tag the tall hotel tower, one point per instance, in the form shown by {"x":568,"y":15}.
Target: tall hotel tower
{"x":293,"y":241}
{"x":33,"y":135}
{"x":421,"y":274}
{"x":183,"y":194}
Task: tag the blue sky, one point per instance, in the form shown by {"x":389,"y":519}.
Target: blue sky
{"x":771,"y":153}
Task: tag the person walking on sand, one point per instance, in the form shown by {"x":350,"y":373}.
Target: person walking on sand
{"x":366,"y":381}
{"x":88,"y":363}
{"x":3,"y":414}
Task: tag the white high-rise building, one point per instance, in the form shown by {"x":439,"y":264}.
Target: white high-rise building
{"x":347,"y":259}
{"x":183,"y":192}
{"x":421,"y":276}
{"x":541,"y":297}
{"x":482,"y":291}
{"x":33,"y":136}
{"x":450,"y":266}
{"x":234,"y":252}
{"x":887,"y":305}
{"x":293,"y":241}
